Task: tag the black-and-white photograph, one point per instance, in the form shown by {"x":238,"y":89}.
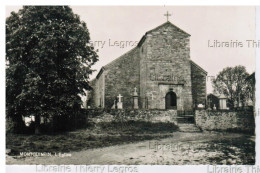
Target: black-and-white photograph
{"x":130,"y":85}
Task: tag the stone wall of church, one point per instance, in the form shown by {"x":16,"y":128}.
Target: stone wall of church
{"x":159,"y":64}
{"x":122,"y":76}
{"x":98,"y":95}
{"x":198,"y":78}
{"x":165,"y":66}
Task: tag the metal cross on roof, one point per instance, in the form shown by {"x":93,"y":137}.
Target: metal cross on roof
{"x":167,"y":15}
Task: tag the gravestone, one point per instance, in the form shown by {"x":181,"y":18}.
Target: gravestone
{"x":114,"y":105}
{"x":201,"y":106}
{"x":214,"y":107}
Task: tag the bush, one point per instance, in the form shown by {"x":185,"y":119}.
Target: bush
{"x":9,"y":125}
{"x":15,"y":126}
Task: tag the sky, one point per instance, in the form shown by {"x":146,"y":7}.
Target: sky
{"x":127,"y":24}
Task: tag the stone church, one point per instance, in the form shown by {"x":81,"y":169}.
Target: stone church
{"x":159,"y":70}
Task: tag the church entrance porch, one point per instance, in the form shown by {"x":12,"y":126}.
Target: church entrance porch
{"x":167,"y":96}
{"x":171,"y":100}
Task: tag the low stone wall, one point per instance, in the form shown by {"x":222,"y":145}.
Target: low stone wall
{"x":99,"y":115}
{"x":237,"y":121}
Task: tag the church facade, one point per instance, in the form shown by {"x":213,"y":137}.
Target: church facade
{"x":159,"y":69}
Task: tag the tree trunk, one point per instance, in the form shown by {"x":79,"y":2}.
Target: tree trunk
{"x":37,"y":125}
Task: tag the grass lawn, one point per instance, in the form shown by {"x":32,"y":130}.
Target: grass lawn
{"x":96,"y":135}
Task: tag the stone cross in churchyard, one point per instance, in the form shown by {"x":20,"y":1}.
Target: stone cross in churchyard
{"x":151,"y":94}
{"x":119,"y":103}
{"x":135,"y":90}
{"x":119,"y":98}
{"x":167,"y":15}
{"x":135,"y":97}
{"x":153,"y":86}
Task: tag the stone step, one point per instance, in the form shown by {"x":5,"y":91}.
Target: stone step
{"x":186,"y":116}
{"x":188,"y":128}
{"x":185,"y":120}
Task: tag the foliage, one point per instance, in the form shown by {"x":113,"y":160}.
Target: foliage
{"x":48,"y":59}
{"x":231,"y":82}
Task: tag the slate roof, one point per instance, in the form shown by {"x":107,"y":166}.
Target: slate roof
{"x":199,"y":67}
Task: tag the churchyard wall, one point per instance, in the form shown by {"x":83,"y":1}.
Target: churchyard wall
{"x":154,"y":116}
{"x":225,"y":120}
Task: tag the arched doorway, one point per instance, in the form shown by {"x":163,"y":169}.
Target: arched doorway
{"x":171,"y":100}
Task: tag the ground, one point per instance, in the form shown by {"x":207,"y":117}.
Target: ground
{"x":175,"y":148}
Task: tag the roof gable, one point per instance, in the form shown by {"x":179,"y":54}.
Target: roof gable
{"x":161,"y":26}
{"x":168,"y":24}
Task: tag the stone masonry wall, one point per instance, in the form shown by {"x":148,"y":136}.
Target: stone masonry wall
{"x":122,"y":76}
{"x":198,"y":79}
{"x":241,"y":121}
{"x":165,"y":65}
{"x":98,"y":98}
{"x":159,"y":64}
{"x":135,"y":115}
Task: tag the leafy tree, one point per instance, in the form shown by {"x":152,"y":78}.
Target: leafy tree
{"x":251,"y":86}
{"x":232,"y":83}
{"x":48,"y":62}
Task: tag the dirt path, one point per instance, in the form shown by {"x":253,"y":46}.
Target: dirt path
{"x":181,"y":148}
